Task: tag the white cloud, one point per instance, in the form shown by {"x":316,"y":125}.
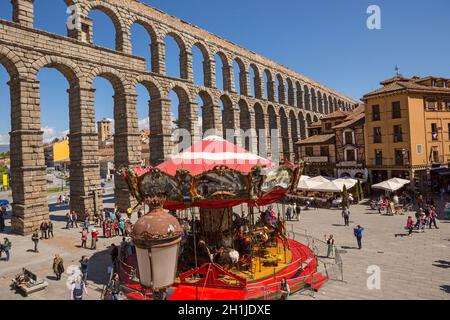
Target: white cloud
{"x":4,"y":138}
{"x":50,"y":134}
{"x":144,"y":124}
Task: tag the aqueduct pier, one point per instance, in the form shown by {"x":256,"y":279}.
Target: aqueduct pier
{"x":286,"y":101}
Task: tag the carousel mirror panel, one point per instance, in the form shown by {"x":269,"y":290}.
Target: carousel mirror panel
{"x":157,"y":183}
{"x":225,"y":183}
{"x":278,"y":178}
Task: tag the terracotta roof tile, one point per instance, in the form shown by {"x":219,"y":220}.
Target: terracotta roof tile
{"x":321,"y":138}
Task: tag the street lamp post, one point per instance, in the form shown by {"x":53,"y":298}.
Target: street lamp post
{"x":157,"y":237}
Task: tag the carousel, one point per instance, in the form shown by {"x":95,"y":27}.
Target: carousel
{"x":214,"y":230}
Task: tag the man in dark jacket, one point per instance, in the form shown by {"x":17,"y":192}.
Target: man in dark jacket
{"x":35,"y":239}
{"x":359,"y":231}
{"x":84,"y":267}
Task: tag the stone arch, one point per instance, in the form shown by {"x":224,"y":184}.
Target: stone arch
{"x":227,"y":73}
{"x":260,"y":126}
{"x":315,"y":119}
{"x":256,"y":82}
{"x":290,"y":92}
{"x":270,"y":86}
{"x":274,"y":131}
{"x":319,"y":102}
{"x":295,"y":136}
{"x":153,"y":87}
{"x":118,"y":80}
{"x":335,"y":104}
{"x":207,"y":68}
{"x":302,"y":122}
{"x":11,"y":61}
{"x":299,"y":95}
{"x":313,"y":100}
{"x":246,"y":118}
{"x":183,"y":59}
{"x":67,"y":67}
{"x":330,"y":104}
{"x":211,"y":119}
{"x":113,"y":14}
{"x":281,"y":89}
{"x":285,"y":134}
{"x":243,"y":80}
{"x":308,"y":119}
{"x":229,"y":116}
{"x":307,"y":97}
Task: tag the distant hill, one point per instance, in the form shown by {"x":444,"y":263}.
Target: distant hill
{"x":4,"y":148}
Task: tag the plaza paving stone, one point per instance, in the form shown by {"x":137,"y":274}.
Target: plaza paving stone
{"x":416,"y":267}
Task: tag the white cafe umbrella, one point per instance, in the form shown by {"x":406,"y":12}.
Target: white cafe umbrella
{"x":349,"y":183}
{"x":401,"y":181}
{"x":388,"y":185}
{"x":309,"y":184}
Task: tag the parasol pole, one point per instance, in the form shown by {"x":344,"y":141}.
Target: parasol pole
{"x":195,"y":240}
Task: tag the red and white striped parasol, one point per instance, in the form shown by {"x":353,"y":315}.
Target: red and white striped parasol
{"x":211,"y":152}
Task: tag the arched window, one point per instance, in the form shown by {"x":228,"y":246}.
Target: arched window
{"x":142,"y":37}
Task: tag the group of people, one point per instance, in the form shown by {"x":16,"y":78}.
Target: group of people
{"x":424,"y":218}
{"x":63,"y":199}
{"x":293,"y":212}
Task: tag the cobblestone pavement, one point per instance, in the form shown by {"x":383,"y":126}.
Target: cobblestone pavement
{"x":416,"y":267}
{"x":66,"y":243}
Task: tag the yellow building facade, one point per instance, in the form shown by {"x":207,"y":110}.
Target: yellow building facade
{"x":407,"y":131}
{"x":61,"y":151}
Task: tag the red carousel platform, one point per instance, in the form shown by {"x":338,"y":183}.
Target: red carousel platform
{"x":219,"y":284}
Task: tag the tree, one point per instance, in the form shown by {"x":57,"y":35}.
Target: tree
{"x":345,"y":197}
{"x":360,"y":191}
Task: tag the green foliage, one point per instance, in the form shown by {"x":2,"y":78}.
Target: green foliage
{"x":360,"y":191}
{"x":345,"y":197}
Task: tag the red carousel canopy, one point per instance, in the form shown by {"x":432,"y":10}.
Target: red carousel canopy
{"x":213,"y":173}
{"x":211,"y":152}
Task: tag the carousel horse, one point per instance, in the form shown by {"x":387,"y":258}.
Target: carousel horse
{"x":227,"y":258}
{"x":277,"y":230}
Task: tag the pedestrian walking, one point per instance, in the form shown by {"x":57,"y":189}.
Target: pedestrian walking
{"x":410,"y":225}
{"x":289,"y":212}
{"x":330,"y":245}
{"x":58,"y":266}
{"x":43,"y":229}
{"x":114,"y":287}
{"x":2,"y":218}
{"x":86,"y":223}
{"x":114,"y":256}
{"x":69,"y":223}
{"x":94,"y":236}
{"x":77,"y":289}
{"x":298,"y":210}
{"x":35,"y":239}
{"x":84,"y":267}
{"x":116,"y":228}
{"x":285,"y":290}
{"x":74,"y":219}
{"x":122,"y":227}
{"x":433,"y":217}
{"x":84,"y":237}
{"x":50,"y":229}
{"x":359,"y":232}
{"x":346,"y":216}
{"x":7,"y":248}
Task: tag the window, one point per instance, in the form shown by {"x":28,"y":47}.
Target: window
{"x":399,"y":157}
{"x":435,"y":155}
{"x":431,"y":104}
{"x":447,"y":105}
{"x":398,"y":134}
{"x":376,"y":113}
{"x":396,"y":110}
{"x":309,"y":151}
{"x":419,"y":149}
{"x":328,"y":126}
{"x":378,"y":157}
{"x":348,"y":137}
{"x":324,"y":151}
{"x":434,"y":132}
{"x":449,"y":131}
{"x":377,"y":135}
{"x":350,"y":155}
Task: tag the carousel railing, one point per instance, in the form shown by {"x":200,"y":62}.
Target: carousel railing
{"x":334,"y":270}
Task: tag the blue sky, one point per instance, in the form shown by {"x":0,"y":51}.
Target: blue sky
{"x":326,"y":40}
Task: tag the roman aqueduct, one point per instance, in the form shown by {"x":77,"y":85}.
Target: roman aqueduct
{"x":24,"y":51}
